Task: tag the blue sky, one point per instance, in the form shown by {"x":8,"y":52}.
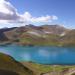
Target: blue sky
{"x":64,"y":10}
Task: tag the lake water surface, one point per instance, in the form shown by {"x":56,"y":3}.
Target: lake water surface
{"x":40,"y":54}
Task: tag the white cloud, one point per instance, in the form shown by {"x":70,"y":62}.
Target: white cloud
{"x":54,"y":17}
{"x":28,"y":17}
{"x":9,"y":14}
{"x":4,"y":7}
{"x":41,"y":19}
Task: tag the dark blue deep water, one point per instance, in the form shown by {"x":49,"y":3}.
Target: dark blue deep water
{"x":40,"y":54}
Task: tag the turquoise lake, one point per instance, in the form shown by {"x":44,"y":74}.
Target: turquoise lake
{"x":40,"y":54}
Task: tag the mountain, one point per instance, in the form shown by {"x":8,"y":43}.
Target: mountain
{"x":39,"y":35}
{"x":8,"y":66}
{"x":69,"y":38}
{"x":3,"y":37}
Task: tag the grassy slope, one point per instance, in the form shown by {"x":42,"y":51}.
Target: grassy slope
{"x":39,"y":68}
{"x":69,"y":39}
{"x":9,"y":64}
{"x":6,"y":72}
{"x":44,"y":41}
{"x":47,"y":39}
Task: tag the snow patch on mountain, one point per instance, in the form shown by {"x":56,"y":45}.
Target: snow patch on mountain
{"x":63,"y":34}
{"x":34,"y":33}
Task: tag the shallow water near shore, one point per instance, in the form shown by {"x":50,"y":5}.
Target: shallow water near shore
{"x":41,"y":54}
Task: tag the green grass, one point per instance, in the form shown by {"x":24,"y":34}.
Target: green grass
{"x":51,"y":40}
{"x":42,"y":68}
{"x":50,"y":68}
{"x":9,"y":64}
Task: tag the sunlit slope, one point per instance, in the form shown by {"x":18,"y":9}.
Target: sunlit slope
{"x":8,"y":65}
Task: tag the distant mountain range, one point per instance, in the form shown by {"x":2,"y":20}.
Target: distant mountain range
{"x":45,"y":35}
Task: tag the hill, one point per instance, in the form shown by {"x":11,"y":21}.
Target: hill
{"x":8,"y":66}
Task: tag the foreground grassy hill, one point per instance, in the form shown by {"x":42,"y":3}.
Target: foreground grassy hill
{"x":8,"y":66}
{"x":40,"y":69}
